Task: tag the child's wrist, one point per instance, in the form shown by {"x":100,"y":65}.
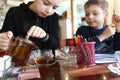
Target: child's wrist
{"x":101,"y":38}
{"x":118,"y":29}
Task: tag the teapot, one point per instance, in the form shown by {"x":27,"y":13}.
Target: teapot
{"x":20,"y":50}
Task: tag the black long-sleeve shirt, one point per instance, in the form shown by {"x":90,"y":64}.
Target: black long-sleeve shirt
{"x":107,"y":46}
{"x":20,"y":19}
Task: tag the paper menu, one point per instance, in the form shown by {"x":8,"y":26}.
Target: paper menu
{"x":5,"y":63}
{"x":105,"y":58}
{"x":31,"y":75}
{"x":29,"y":72}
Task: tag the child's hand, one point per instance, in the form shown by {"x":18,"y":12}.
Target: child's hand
{"x":5,"y":39}
{"x":37,"y":32}
{"x":116,"y":21}
{"x":109,"y":31}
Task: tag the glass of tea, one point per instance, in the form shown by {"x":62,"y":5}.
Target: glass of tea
{"x":43,"y":57}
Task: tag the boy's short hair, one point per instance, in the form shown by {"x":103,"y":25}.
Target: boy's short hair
{"x":101,"y":3}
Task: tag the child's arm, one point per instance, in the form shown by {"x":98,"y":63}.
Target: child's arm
{"x":116,"y":21}
{"x":109,"y":31}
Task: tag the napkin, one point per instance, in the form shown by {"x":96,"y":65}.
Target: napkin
{"x":114,"y":68}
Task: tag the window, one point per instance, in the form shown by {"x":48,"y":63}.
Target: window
{"x":77,"y":13}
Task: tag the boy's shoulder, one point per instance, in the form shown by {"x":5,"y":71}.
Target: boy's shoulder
{"x":82,"y":30}
{"x":83,"y":27}
{"x":88,"y":27}
{"x":17,"y":8}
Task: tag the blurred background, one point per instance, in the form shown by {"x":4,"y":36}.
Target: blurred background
{"x":71,"y":14}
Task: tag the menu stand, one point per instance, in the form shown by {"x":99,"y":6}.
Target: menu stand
{"x":6,"y":69}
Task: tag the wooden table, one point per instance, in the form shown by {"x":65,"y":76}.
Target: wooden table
{"x":97,"y":72}
{"x":59,"y":71}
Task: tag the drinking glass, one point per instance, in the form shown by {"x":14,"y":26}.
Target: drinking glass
{"x":70,"y":55}
{"x":66,"y":49}
{"x":42,"y":57}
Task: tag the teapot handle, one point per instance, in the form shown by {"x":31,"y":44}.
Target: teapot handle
{"x":53,"y":51}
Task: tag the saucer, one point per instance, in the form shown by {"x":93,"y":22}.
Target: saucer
{"x":50,"y":63}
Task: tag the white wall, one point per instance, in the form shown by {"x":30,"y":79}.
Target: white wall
{"x":5,"y":5}
{"x":113,"y":4}
{"x":66,"y":28}
{"x":3,"y":10}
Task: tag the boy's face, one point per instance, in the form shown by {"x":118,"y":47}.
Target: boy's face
{"x":95,"y":16}
{"x":45,"y":8}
